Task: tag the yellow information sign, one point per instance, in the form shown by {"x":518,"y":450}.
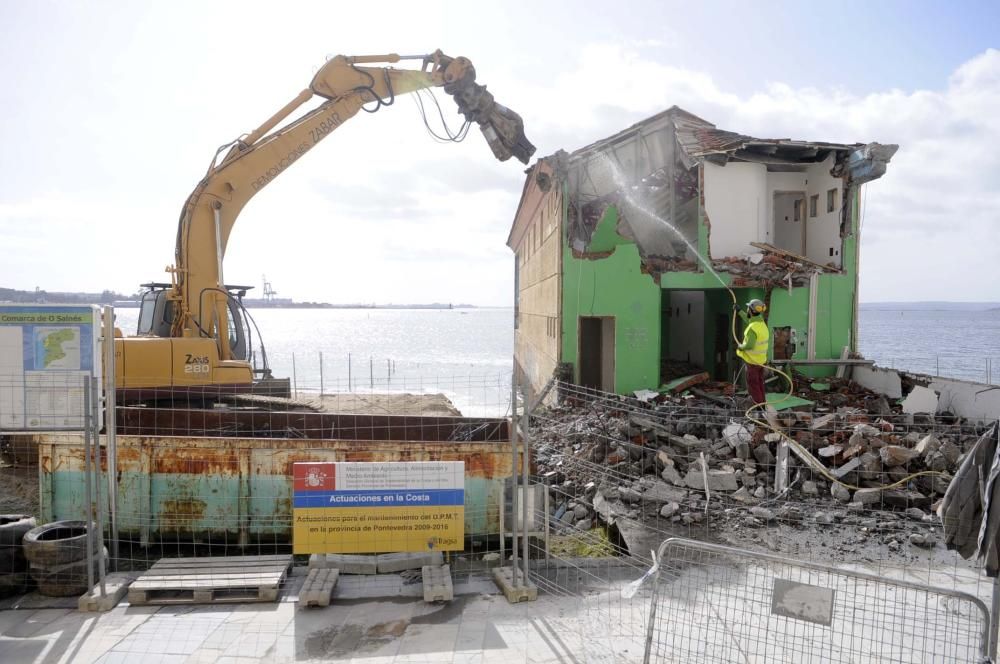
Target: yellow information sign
{"x":379,"y":507}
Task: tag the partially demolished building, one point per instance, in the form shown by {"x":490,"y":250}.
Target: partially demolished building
{"x":624,"y":249}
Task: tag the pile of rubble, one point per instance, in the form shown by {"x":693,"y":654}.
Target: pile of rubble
{"x":764,"y":268}
{"x":685,"y":460}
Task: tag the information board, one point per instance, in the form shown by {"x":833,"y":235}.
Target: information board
{"x":46,"y":354}
{"x":378,"y":507}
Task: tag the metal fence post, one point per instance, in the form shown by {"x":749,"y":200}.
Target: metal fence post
{"x":88,"y":429}
{"x":525,"y":469}
{"x":96,"y":405}
{"x":350,"y":383}
{"x":110,"y":425}
{"x":321,"y":373}
{"x":295,"y":380}
{"x":513,"y":478}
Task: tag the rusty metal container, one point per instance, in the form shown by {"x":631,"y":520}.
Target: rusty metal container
{"x":215,"y":487}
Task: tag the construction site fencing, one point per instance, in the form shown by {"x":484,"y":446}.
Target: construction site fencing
{"x":981,"y":368}
{"x":715,"y":603}
{"x":624,"y":474}
{"x":193,"y":480}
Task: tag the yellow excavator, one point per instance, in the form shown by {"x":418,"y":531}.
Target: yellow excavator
{"x":195,"y":338}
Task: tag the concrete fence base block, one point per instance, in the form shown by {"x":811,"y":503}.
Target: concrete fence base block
{"x":115,"y":585}
{"x":523,"y":592}
{"x":318,"y":587}
{"x":437,"y":583}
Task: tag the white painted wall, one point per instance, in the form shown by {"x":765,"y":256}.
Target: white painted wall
{"x":737,"y":207}
{"x":823,"y":230}
{"x":687,"y":328}
{"x":739,"y":200}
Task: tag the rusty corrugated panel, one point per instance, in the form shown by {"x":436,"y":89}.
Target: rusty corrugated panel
{"x":240,"y":489}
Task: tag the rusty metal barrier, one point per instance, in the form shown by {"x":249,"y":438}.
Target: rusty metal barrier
{"x":714,"y":603}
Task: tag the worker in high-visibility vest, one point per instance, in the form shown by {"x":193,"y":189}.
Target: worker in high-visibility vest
{"x":753,"y":350}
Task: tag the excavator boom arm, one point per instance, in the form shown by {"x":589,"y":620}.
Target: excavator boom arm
{"x":251,"y":163}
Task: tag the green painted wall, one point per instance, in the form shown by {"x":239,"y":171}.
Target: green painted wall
{"x":614,"y":286}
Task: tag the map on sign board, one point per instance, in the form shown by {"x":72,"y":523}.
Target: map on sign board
{"x":378,"y":507}
{"x":47,"y":353}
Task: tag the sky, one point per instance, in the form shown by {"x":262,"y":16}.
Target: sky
{"x":113,"y":110}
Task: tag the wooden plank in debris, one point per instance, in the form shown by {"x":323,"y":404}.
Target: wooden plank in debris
{"x":763,"y":246}
{"x":678,"y":385}
{"x":211,"y":580}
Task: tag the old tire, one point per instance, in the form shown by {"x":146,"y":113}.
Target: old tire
{"x":58,"y":543}
{"x":66,"y":579}
{"x":12,"y":560}
{"x":15,"y":584}
{"x":13,"y":528}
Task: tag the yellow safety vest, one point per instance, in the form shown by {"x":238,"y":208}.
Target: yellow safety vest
{"x":757,"y":354}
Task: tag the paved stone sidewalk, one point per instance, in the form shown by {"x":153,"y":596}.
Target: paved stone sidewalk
{"x":373,"y":620}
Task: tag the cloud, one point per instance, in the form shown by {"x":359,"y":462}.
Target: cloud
{"x":935,"y":209}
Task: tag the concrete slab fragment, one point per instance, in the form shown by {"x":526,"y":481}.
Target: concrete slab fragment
{"x":347,"y":563}
{"x":387,"y":563}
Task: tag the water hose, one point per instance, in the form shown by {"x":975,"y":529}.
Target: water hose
{"x":803,"y":453}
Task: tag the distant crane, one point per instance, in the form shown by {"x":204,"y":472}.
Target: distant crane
{"x":269,"y":291}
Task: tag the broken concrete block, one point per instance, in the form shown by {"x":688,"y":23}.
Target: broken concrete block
{"x":809,"y":488}
{"x":895,"y":455}
{"x":927,"y":445}
{"x":672,"y":475}
{"x":669,"y":510}
{"x":867,"y":496}
{"x":840,"y":492}
{"x":718,"y":480}
{"x":951,"y":451}
{"x":936,"y":461}
{"x":629,"y":495}
{"x":924,"y":541}
{"x":763,"y":455}
{"x":921,"y":400}
{"x":866,"y":430}
{"x":853,"y":464}
{"x":823,"y":422}
{"x":584,"y":524}
{"x":736,"y":433}
{"x":830,"y":451}
{"x":742,"y":495}
{"x":661,"y":492}
{"x":762,"y":513}
{"x":905,"y":498}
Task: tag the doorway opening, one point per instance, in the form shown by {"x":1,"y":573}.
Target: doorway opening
{"x":597,"y":353}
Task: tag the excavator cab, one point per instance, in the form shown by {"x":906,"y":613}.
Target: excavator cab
{"x":156,"y":317}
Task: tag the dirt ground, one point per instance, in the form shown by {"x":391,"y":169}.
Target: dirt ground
{"x":18,"y":489}
{"x":434,"y":405}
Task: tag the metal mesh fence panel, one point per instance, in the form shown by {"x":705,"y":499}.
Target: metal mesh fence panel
{"x":719,"y":604}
